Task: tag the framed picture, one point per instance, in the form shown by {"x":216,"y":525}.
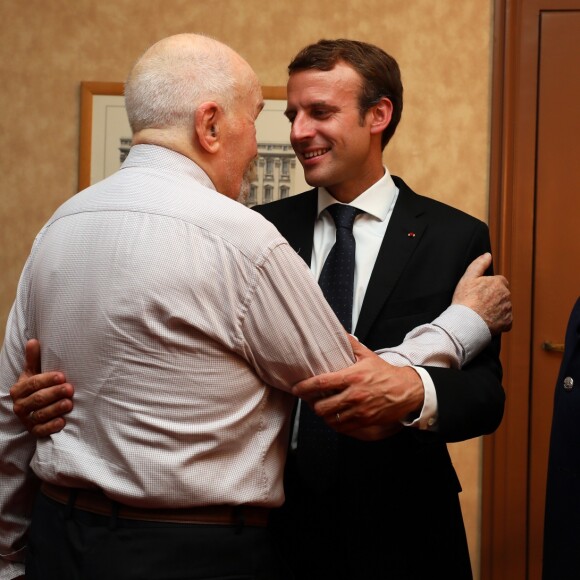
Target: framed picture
{"x":105,"y":140}
{"x":104,"y":130}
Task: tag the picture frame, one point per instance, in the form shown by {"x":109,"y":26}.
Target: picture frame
{"x":103,"y":118}
{"x":105,"y":139}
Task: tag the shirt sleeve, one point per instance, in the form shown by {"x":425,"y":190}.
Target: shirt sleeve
{"x":19,"y":485}
{"x":453,"y":339}
{"x":290,"y":332}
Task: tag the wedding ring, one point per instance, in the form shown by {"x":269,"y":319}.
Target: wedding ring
{"x":338,"y":417}
{"x":31,"y":416}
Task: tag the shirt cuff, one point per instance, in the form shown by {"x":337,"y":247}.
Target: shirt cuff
{"x":468,"y":328}
{"x":427,"y":419}
{"x":10,"y":570}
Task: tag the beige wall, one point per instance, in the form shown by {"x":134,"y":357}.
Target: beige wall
{"x":49,"y":47}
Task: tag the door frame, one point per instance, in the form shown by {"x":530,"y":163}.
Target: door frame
{"x":505,"y":483}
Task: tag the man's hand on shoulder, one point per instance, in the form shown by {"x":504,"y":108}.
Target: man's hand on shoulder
{"x":40,"y":401}
{"x":489,"y":296}
{"x":367,"y":400}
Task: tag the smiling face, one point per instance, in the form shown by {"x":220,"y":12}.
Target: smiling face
{"x":338,"y":149}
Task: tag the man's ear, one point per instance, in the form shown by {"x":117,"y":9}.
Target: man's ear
{"x":207,"y":118}
{"x":380,"y":115}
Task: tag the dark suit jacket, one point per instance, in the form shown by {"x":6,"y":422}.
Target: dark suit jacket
{"x":398,"y":497}
{"x":562,"y":522}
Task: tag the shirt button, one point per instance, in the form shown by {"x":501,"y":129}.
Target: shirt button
{"x":568,"y":383}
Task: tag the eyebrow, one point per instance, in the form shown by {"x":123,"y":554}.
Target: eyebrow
{"x":313,"y":105}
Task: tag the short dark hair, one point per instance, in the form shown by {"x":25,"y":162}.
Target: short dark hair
{"x":380,"y":73}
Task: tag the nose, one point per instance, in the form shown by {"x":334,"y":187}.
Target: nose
{"x":302,"y":128}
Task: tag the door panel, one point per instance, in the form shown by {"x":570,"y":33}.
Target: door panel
{"x":556,"y":241}
{"x":534,"y":215}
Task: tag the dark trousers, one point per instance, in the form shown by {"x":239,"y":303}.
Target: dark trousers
{"x":384,"y":531}
{"x":307,"y":529}
{"x":72,"y":544}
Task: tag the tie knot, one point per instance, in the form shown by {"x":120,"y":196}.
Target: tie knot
{"x":343,"y":215}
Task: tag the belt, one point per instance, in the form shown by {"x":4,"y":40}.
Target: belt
{"x":96,"y":502}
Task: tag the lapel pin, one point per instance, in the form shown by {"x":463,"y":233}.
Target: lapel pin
{"x":411,"y":235}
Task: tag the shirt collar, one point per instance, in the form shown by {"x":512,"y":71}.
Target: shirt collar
{"x":376,"y":200}
{"x":147,"y":155}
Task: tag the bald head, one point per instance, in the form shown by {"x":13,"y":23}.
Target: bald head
{"x":198,"y":97}
{"x":176,"y":75}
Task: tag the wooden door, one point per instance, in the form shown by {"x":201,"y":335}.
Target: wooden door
{"x":535,"y":209}
{"x":556,"y":282}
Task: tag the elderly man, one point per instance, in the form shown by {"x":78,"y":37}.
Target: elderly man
{"x":177,"y":313}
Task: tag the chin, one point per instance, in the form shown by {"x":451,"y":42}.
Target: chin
{"x":315,"y":176}
{"x":243,"y":195}
{"x":249,"y":176}
{"x":315,"y":181}
{"x":243,"y":191}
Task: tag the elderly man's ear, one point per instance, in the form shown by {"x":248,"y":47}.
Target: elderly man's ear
{"x":207,"y":117}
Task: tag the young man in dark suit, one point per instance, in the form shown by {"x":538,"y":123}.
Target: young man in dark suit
{"x":392,"y":510}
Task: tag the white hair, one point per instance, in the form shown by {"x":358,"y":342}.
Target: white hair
{"x":174,"y":77}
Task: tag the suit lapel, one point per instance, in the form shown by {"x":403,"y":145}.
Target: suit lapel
{"x":296,"y":224}
{"x":403,"y":235}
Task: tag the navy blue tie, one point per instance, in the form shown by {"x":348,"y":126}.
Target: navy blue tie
{"x":337,"y":277}
{"x":317,"y":451}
